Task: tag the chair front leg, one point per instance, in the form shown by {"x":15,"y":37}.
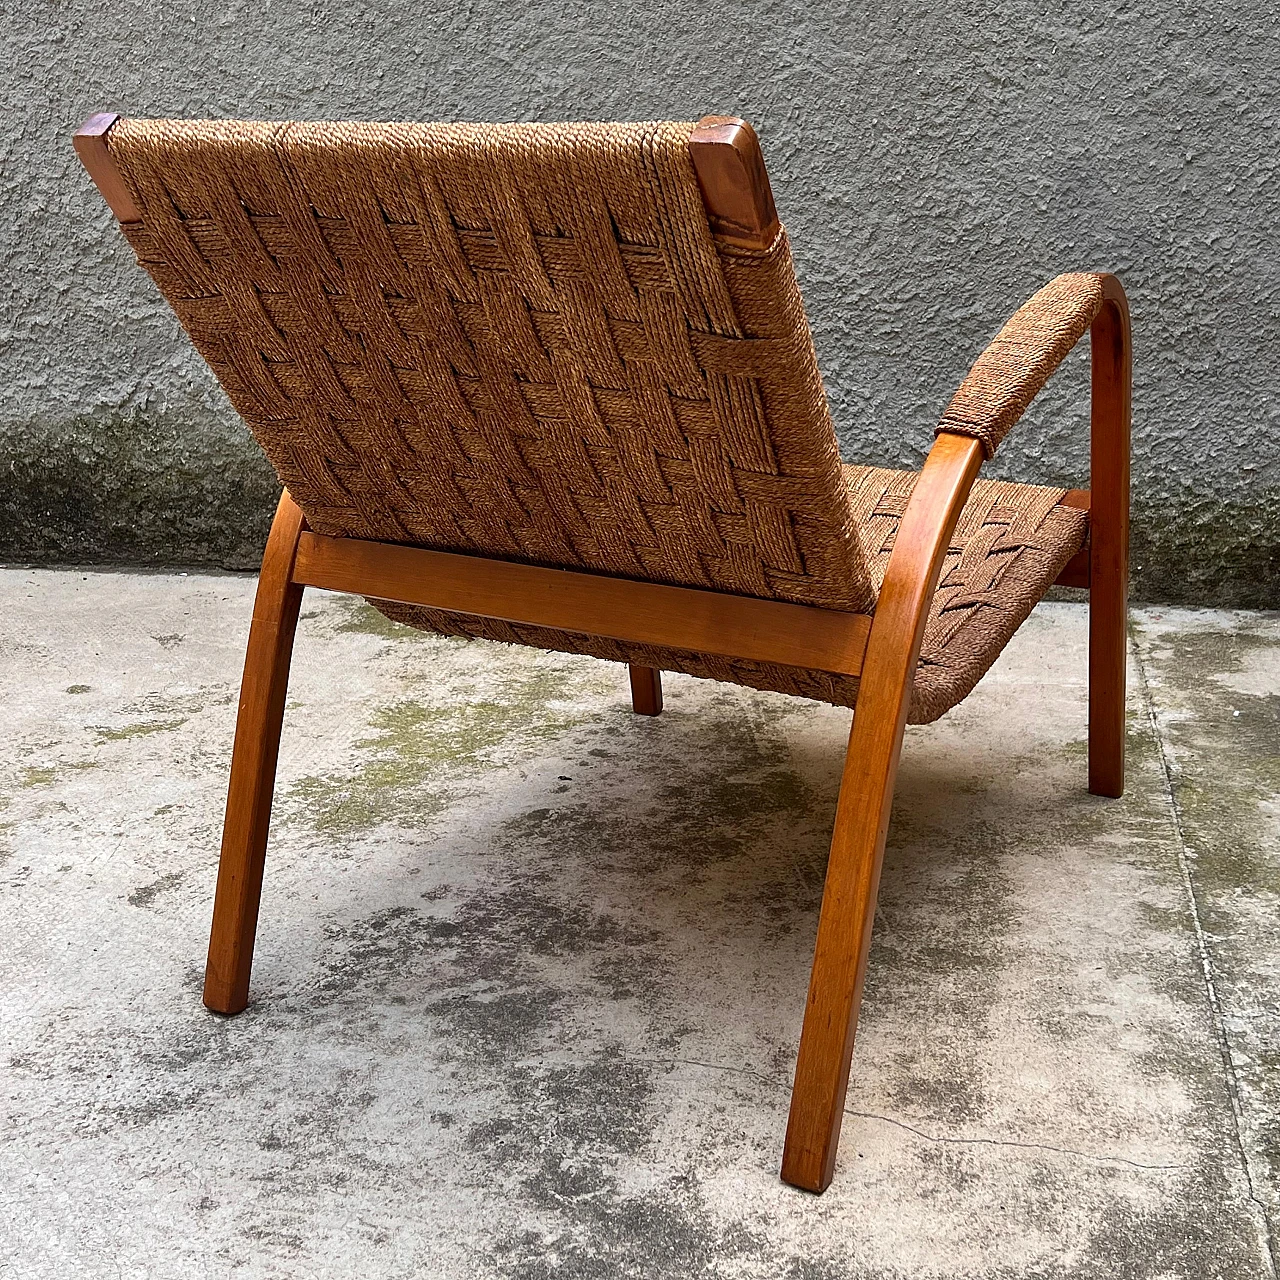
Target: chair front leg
{"x":844,"y":929}
{"x":253,"y":767}
{"x":862,"y":812}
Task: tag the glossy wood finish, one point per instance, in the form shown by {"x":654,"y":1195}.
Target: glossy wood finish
{"x":90,"y":142}
{"x":593,"y":604}
{"x":862,"y":813}
{"x":1112,"y":392}
{"x":253,"y":767}
{"x":735,"y":185}
{"x":646,"y":690}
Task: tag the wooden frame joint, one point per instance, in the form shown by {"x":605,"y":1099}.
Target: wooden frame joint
{"x":90,"y":142}
{"x":735,"y":185}
{"x":1075,"y":573}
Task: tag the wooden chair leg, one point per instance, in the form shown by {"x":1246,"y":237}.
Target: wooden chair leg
{"x":253,"y":767}
{"x":862,"y":812}
{"x":840,"y":957}
{"x":1109,"y":545}
{"x":646,"y":690}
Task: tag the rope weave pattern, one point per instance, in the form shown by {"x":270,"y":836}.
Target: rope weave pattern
{"x":516,"y":340}
{"x":523,"y":341}
{"x":1012,"y":370}
{"x":1011,"y":542}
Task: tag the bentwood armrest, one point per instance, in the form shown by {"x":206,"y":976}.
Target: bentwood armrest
{"x":1018,"y":361}
{"x":1003,"y":381}
{"x":997,"y":390}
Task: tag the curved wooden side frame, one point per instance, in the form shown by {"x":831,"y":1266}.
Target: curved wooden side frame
{"x":875,"y":741}
{"x":253,"y":766}
{"x":1111,"y":344}
{"x":862,"y":812}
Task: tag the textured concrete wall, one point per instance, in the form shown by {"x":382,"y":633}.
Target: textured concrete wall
{"x":935,"y":164}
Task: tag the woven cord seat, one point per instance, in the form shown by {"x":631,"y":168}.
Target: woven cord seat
{"x":1010,"y":544}
{"x":554,"y":385}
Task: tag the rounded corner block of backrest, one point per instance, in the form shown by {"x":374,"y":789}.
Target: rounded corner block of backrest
{"x":735,"y":185}
{"x":90,"y":142}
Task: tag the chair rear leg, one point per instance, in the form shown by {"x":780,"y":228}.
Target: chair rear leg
{"x":646,"y":690}
{"x":844,"y":941}
{"x":253,"y":767}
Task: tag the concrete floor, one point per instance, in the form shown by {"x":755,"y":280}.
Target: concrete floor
{"x":531,"y":969}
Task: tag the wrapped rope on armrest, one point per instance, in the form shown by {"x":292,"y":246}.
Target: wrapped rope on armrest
{"x":1009,"y":374}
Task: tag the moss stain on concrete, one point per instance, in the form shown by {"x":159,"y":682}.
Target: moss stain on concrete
{"x":135,"y":487}
{"x":1224,"y":759}
{"x":47,"y":775}
{"x":1205,"y":549}
{"x":142,"y":729}
{"x":361,"y":618}
{"x":420,"y":757}
{"x":141,"y":487}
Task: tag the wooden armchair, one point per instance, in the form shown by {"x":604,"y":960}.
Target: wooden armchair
{"x":554,"y":385}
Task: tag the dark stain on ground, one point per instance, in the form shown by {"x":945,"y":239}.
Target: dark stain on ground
{"x":148,"y":893}
{"x":1192,"y":1238}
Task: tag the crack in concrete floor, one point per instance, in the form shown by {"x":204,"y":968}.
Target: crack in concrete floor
{"x":920,"y":1133}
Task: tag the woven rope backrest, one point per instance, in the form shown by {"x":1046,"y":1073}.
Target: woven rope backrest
{"x":516,"y":340}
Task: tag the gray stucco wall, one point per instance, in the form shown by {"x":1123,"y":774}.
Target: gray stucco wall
{"x":934,"y":164}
